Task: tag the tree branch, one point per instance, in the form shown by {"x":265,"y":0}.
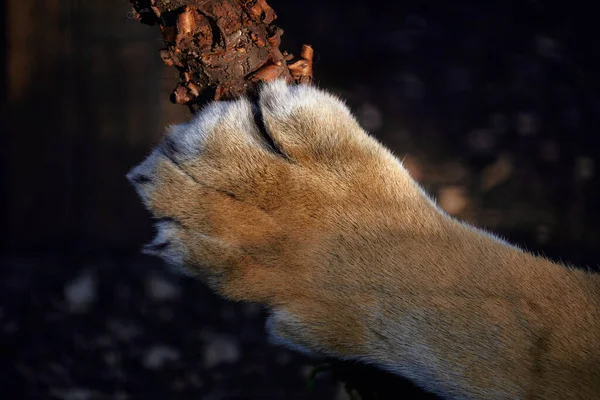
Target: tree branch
{"x":221,"y":48}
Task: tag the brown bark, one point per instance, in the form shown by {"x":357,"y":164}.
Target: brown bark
{"x":221,"y":48}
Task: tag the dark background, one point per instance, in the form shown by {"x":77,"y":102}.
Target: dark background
{"x":494,"y":105}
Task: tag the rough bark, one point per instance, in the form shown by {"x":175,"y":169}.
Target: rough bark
{"x":221,"y":48}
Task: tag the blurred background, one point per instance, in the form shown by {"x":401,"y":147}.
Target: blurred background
{"x":494,"y":106}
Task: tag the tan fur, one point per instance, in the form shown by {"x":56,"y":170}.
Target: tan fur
{"x":329,"y":230}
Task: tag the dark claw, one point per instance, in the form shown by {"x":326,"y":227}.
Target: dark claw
{"x":140,"y":179}
{"x":152,"y":247}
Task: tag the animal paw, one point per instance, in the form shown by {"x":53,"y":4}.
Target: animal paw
{"x":285,"y":201}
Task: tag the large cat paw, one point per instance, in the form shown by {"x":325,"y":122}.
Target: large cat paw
{"x":283,"y":201}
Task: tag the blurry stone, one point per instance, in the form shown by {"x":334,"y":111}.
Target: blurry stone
{"x":80,"y":293}
{"x":123,"y":330}
{"x":584,"y":168}
{"x":453,"y":199}
{"x":158,"y":356}
{"x":112,"y":358}
{"x":496,"y":173}
{"x":549,"y":151}
{"x":527,"y":124}
{"x":370,"y":117}
{"x":160,"y":289}
{"x":481,"y":140}
{"x":219,"y":350}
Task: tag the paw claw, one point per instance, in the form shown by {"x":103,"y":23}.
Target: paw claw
{"x":140,"y":176}
{"x":154,"y":248}
{"x":140,"y":179}
{"x":167,"y":244}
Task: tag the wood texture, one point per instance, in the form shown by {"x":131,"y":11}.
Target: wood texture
{"x":221,"y":48}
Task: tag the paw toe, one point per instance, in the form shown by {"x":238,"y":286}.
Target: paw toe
{"x":186,"y":141}
{"x":281,"y":100}
{"x":309,"y":124}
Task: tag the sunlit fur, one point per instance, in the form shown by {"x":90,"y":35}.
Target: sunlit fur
{"x":289,"y":203}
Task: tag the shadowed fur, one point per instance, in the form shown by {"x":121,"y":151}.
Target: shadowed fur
{"x":307,"y":214}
